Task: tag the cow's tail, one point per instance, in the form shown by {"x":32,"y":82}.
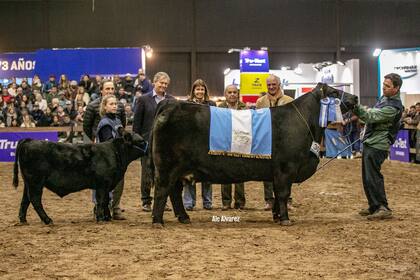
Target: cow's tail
{"x":16,"y":166}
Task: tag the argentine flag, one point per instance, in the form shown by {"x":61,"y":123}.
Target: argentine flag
{"x":242,"y":133}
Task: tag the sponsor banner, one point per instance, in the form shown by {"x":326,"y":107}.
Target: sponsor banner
{"x":18,"y":65}
{"x":77,"y":62}
{"x":401,"y":149}
{"x":254,"y":61}
{"x":404,"y":62}
{"x":9,"y":141}
{"x":253,"y":83}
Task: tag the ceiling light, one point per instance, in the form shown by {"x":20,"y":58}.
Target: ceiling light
{"x":377,"y":52}
{"x":226,"y":71}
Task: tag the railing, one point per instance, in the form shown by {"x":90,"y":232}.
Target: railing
{"x":70,"y":129}
{"x":74,"y":128}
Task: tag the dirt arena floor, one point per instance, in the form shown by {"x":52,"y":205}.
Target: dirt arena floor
{"x":328,"y":239}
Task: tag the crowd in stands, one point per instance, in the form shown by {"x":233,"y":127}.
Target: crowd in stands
{"x":61,"y":102}
{"x":411,"y":116}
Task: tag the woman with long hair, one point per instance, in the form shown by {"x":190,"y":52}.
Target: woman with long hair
{"x":64,"y":83}
{"x":27,"y":121}
{"x":199,"y":94}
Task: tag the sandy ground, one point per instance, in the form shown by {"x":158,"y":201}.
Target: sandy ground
{"x":328,"y":240}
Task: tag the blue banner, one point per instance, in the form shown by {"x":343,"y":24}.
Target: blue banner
{"x":335,"y":142}
{"x":20,"y":65}
{"x":77,"y":62}
{"x":9,"y":141}
{"x":401,"y":149}
{"x":254,"y":61}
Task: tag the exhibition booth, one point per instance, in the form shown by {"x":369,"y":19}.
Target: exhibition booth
{"x":300,"y":80}
{"x":406,"y":63}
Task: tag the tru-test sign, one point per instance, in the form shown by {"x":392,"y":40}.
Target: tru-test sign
{"x":254,"y":61}
{"x":9,"y":141}
{"x":254,"y":69}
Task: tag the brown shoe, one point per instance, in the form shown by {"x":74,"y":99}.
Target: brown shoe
{"x":268,"y":206}
{"x":147,"y":208}
{"x":380,"y":214}
{"x":364,"y":212}
{"x":117,"y":214}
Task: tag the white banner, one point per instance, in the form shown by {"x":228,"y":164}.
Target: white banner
{"x":406,"y":63}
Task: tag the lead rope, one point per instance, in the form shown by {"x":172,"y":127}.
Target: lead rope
{"x":313,"y":139}
{"x":303,"y":119}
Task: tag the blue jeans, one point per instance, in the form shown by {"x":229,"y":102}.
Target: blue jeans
{"x":190,"y":195}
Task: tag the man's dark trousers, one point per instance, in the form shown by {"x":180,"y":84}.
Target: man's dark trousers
{"x":373,"y":180}
{"x":145,"y":184}
{"x":239,"y":195}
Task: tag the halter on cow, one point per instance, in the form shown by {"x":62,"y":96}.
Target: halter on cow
{"x":180,"y":145}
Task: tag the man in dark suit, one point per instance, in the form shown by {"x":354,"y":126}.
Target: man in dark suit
{"x":142,"y":124}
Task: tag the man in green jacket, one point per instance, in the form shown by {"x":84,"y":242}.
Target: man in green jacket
{"x":382,"y":125}
{"x":232,"y":102}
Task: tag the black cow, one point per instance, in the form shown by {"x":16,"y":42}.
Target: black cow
{"x":66,"y":168}
{"x":180,"y":145}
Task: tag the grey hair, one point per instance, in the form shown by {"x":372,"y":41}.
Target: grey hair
{"x":231,"y":85}
{"x":161,"y":75}
{"x":275,"y":77}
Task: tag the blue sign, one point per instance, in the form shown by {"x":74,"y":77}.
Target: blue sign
{"x":77,"y":62}
{"x":20,"y":65}
{"x":9,"y":141}
{"x":401,"y":149}
{"x":254,"y":61}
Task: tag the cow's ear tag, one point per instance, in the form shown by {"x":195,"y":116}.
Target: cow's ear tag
{"x":315,"y":148}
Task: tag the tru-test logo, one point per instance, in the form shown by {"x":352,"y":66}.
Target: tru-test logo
{"x":255,"y":61}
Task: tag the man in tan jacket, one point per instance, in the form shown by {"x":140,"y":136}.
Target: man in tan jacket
{"x":274,"y":97}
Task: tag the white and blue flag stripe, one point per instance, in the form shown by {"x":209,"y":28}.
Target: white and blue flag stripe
{"x":240,"y":132}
